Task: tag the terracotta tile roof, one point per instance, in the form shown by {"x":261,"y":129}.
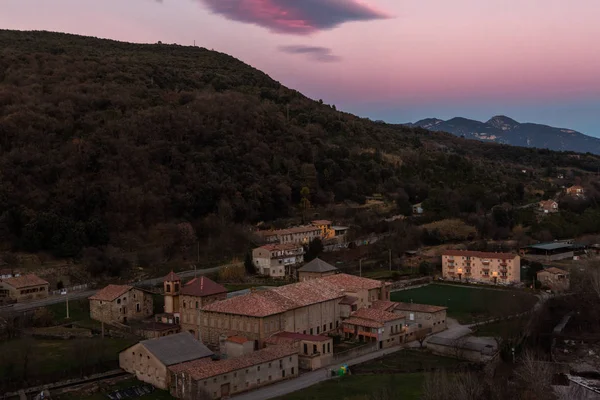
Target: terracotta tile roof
{"x":238,"y":339}
{"x":277,"y":300}
{"x":202,"y":369}
{"x":384,"y":305}
{"x":172,"y":277}
{"x":281,"y":246}
{"x":554,"y":270}
{"x":321,"y":222}
{"x":302,"y":336}
{"x":201,"y":287}
{"x":479,"y":254}
{"x":352,"y":282}
{"x":110,"y":292}
{"x":373,"y":314}
{"x":363,"y":322}
{"x":349,"y":300}
{"x":426,"y":308}
{"x":24,"y":281}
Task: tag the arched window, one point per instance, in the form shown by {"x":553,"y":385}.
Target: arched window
{"x":168,"y":289}
{"x":184,"y":304}
{"x":196,"y":304}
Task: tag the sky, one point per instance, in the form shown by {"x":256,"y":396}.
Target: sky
{"x":393,"y":60}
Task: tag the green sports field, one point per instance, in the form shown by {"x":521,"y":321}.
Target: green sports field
{"x":469,"y":304}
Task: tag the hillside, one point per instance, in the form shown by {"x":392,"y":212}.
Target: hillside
{"x":103,"y":142}
{"x":501,"y":129}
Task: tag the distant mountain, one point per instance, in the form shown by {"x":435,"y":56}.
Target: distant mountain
{"x":501,"y":129}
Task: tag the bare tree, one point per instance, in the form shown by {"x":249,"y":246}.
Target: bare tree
{"x":535,"y":376}
{"x":421,"y":335}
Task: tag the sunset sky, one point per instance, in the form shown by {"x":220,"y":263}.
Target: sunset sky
{"x":396,"y":60}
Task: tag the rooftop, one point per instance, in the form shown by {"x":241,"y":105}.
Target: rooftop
{"x":238,"y":339}
{"x":554,"y":270}
{"x":384,"y":305}
{"x":110,"y":292}
{"x":321,"y":222}
{"x":201,"y":287}
{"x":317,"y":265}
{"x":352,"y":282}
{"x":479,"y":254}
{"x":363,"y":322}
{"x":349,"y":300}
{"x":551,"y":246}
{"x":176,"y":349}
{"x":23,"y":281}
{"x":425,"y":308}
{"x":376,"y":315}
{"x":281,"y":246}
{"x":202,"y":369}
{"x":171,"y":277}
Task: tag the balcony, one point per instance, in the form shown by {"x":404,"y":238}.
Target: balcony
{"x":450,"y":266}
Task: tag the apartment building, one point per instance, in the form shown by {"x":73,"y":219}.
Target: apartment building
{"x":487,"y":267}
{"x":278,"y":260}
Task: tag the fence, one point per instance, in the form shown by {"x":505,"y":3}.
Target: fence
{"x":76,"y":288}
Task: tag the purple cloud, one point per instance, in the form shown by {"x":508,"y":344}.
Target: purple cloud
{"x":317,"y":53}
{"x":296,"y":17}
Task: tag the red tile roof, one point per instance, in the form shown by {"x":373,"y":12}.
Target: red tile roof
{"x":202,"y":369}
{"x":373,"y":314}
{"x":281,"y":246}
{"x":201,"y":287}
{"x":363,"y":322}
{"x":24,"y":281}
{"x":384,"y":305}
{"x":479,"y":254}
{"x":352,"y":282}
{"x":349,"y":300}
{"x":426,"y":308}
{"x":321,"y":222}
{"x":111,"y":292}
{"x":238,"y":339}
{"x":172,"y":277}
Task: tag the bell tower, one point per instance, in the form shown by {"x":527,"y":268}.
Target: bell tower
{"x":172,"y":285}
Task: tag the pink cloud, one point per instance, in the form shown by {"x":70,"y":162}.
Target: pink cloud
{"x":297,"y":17}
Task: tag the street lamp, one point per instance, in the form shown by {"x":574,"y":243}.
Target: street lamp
{"x":495,"y":275}
{"x":460,"y":273}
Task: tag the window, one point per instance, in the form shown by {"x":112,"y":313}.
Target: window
{"x":323,"y":349}
{"x":138,"y":308}
{"x":324,"y":327}
{"x":258,"y":381}
{"x":330,"y":325}
{"x":184,"y":304}
{"x":269,"y":377}
{"x":235,"y":374}
{"x":329,"y":347}
{"x":196,"y":304}
{"x":205,"y":382}
{"x":124,"y":298}
{"x":168,"y":289}
{"x":118,"y":301}
{"x":224,"y":377}
{"x":337,"y":324}
{"x":133,"y":353}
{"x":215,"y":380}
{"x":317,"y":330}
{"x":311,"y":331}
{"x":269,"y":365}
{"x":292,"y":370}
{"x":314,"y":348}
{"x":258,"y":368}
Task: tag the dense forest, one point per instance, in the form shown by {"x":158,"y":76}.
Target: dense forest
{"x":103,"y":142}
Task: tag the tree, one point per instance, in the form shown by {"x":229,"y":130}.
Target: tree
{"x":304,"y":201}
{"x":315,"y":248}
{"x":421,"y":335}
{"x":425,"y":268}
{"x":249,"y":265}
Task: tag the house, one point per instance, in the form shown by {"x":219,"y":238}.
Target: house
{"x":302,"y":235}
{"x":548,"y":206}
{"x":481,"y":266}
{"x":149,"y":360}
{"x":6,"y":273}
{"x":327,"y":231}
{"x":432,"y":318}
{"x":224,"y":378}
{"x":194,"y":295}
{"x":23,"y":287}
{"x":120,"y":303}
{"x":575,"y":190}
{"x":309,"y":307}
{"x":314,"y":351}
{"x":236,"y":346}
{"x":316,"y":268}
{"x":277,"y":260}
{"x":417,"y":209}
{"x":373,"y":325}
{"x":554,"y":278}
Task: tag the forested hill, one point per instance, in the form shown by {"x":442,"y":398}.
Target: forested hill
{"x":100,"y":138}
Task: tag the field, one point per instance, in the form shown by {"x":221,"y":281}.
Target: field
{"x":506,"y":328}
{"x":407,"y":361}
{"x":468,"y":304}
{"x":359,"y":387}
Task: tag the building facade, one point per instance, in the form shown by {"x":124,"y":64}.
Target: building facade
{"x":327,"y":231}
{"x":373,"y":325}
{"x":224,"y":378}
{"x":314,"y":351}
{"x":548,"y":206}
{"x":277,"y":260}
{"x":494,"y":268}
{"x":195,"y":294}
{"x":315,"y":269}
{"x":120,"y":303}
{"x":432,"y":318}
{"x":554,"y":278}
{"x":23,"y":287}
{"x":149,"y":360}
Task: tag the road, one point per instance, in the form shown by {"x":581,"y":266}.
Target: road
{"x":20,"y":307}
{"x":309,"y":379}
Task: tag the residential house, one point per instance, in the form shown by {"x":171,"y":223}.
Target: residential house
{"x":23,"y":287}
{"x":224,"y":378}
{"x":575,"y":190}
{"x":548,"y":206}
{"x":432,"y":318}
{"x":120,"y":303}
{"x":314,"y":351}
{"x":417,"y":209}
{"x":6,"y":273}
{"x":149,"y":360}
{"x":277,"y":260}
{"x":481,"y":266}
{"x":309,"y":307}
{"x":327,"y":231}
{"x":554,"y":278}
{"x":315,"y":269}
{"x":373,"y":325}
{"x":302,"y":235}
{"x":194,"y":295}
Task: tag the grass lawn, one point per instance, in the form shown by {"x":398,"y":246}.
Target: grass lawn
{"x":101,"y":395}
{"x":407,"y":361}
{"x":506,"y":328}
{"x":404,"y":386}
{"x":468,"y":304}
{"x":79,"y":311}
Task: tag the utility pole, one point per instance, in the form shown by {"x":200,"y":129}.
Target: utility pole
{"x":67,"y":293}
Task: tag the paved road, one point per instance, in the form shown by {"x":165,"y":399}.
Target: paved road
{"x":19,"y":307}
{"x":308,"y":379}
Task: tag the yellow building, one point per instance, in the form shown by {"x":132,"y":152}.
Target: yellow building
{"x":481,"y":266}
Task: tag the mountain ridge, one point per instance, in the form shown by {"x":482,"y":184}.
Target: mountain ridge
{"x":505,"y":130}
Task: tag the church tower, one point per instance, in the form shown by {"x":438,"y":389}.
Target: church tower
{"x":172,"y":286}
